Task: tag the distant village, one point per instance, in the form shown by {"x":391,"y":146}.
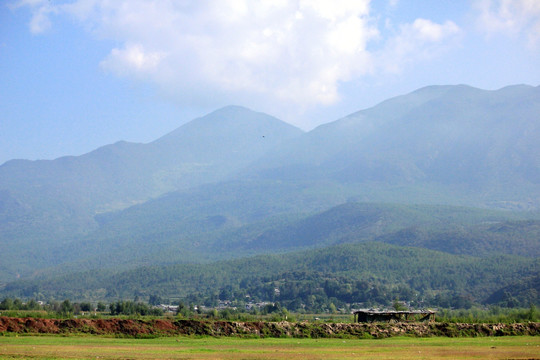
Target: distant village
{"x":222,"y":304}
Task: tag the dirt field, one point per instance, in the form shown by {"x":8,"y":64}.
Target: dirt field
{"x":161,"y":327}
{"x":98,"y":347}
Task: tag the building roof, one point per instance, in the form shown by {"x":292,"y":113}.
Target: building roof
{"x":390,"y":312}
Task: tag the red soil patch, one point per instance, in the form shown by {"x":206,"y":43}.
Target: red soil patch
{"x":138,"y":328}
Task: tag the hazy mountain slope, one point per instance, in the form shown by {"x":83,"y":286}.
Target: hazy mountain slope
{"x":476,"y":143}
{"x":182,"y":227}
{"x":360,"y":222}
{"x":201,"y":151}
{"x":210,"y":148}
{"x":440,"y":144}
{"x":506,"y":237}
{"x":48,"y":202}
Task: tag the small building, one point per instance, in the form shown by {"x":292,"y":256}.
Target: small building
{"x":392,"y":315}
{"x":167,"y":308}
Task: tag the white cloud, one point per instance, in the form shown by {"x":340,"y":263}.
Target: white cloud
{"x":427,"y":31}
{"x":133,"y":58}
{"x":40,"y":21}
{"x":513,"y":17}
{"x":293,"y":51}
{"x":41,"y":11}
{"x":417,"y":41}
{"x":297,"y":51}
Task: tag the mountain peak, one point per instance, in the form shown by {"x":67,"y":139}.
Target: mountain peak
{"x":233,"y":109}
{"x":229,"y":122}
{"x":236,"y":114}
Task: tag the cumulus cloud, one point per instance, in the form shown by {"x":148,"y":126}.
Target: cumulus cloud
{"x":41,"y":11}
{"x":132,"y":59}
{"x":510,"y":17}
{"x":295,"y":51}
{"x":420,"y":40}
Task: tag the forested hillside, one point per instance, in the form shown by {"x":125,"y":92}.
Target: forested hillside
{"x":218,"y":227}
{"x":508,"y":237}
{"x":368,"y":273}
{"x":451,"y":173}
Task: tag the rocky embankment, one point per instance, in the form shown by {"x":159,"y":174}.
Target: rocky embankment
{"x":146,"y":328}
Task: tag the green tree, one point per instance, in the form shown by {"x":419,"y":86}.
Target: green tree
{"x":101,"y":307}
{"x":532,"y":314}
{"x":155,"y":300}
{"x":85,"y":306}
{"x":183,"y":310}
{"x":398,"y":306}
{"x":66,"y":307}
{"x":33,"y":305}
{"x":332,"y":308}
{"x":18,"y":305}
{"x":6,"y":304}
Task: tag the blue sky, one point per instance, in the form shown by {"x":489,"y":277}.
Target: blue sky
{"x":76,"y":75}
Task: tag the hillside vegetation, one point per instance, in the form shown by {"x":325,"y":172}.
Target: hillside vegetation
{"x":370,"y":273}
{"x":431,"y":197}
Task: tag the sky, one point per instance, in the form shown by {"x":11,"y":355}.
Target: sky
{"x":77,"y":75}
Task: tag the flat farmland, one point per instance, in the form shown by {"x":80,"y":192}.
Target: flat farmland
{"x":97,"y":347}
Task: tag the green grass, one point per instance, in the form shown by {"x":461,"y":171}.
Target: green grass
{"x":93,"y":347}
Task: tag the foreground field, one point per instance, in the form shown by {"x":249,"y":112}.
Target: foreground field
{"x":97,"y":347}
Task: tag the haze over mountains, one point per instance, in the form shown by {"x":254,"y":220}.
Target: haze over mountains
{"x":237,"y":182}
{"x":116,"y":176}
{"x":455,"y":136}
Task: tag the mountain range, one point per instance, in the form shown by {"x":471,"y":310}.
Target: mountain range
{"x":448,"y":168}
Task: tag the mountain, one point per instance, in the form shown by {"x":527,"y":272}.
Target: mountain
{"x":204,"y":150}
{"x":487,"y":238}
{"x":519,"y":292}
{"x":481,"y":232}
{"x":45,"y":203}
{"x":236,"y":183}
{"x":206,"y":226}
{"x":474,"y":146}
{"x":60,"y":197}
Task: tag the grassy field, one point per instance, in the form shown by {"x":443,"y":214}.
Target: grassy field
{"x":96,"y":347}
